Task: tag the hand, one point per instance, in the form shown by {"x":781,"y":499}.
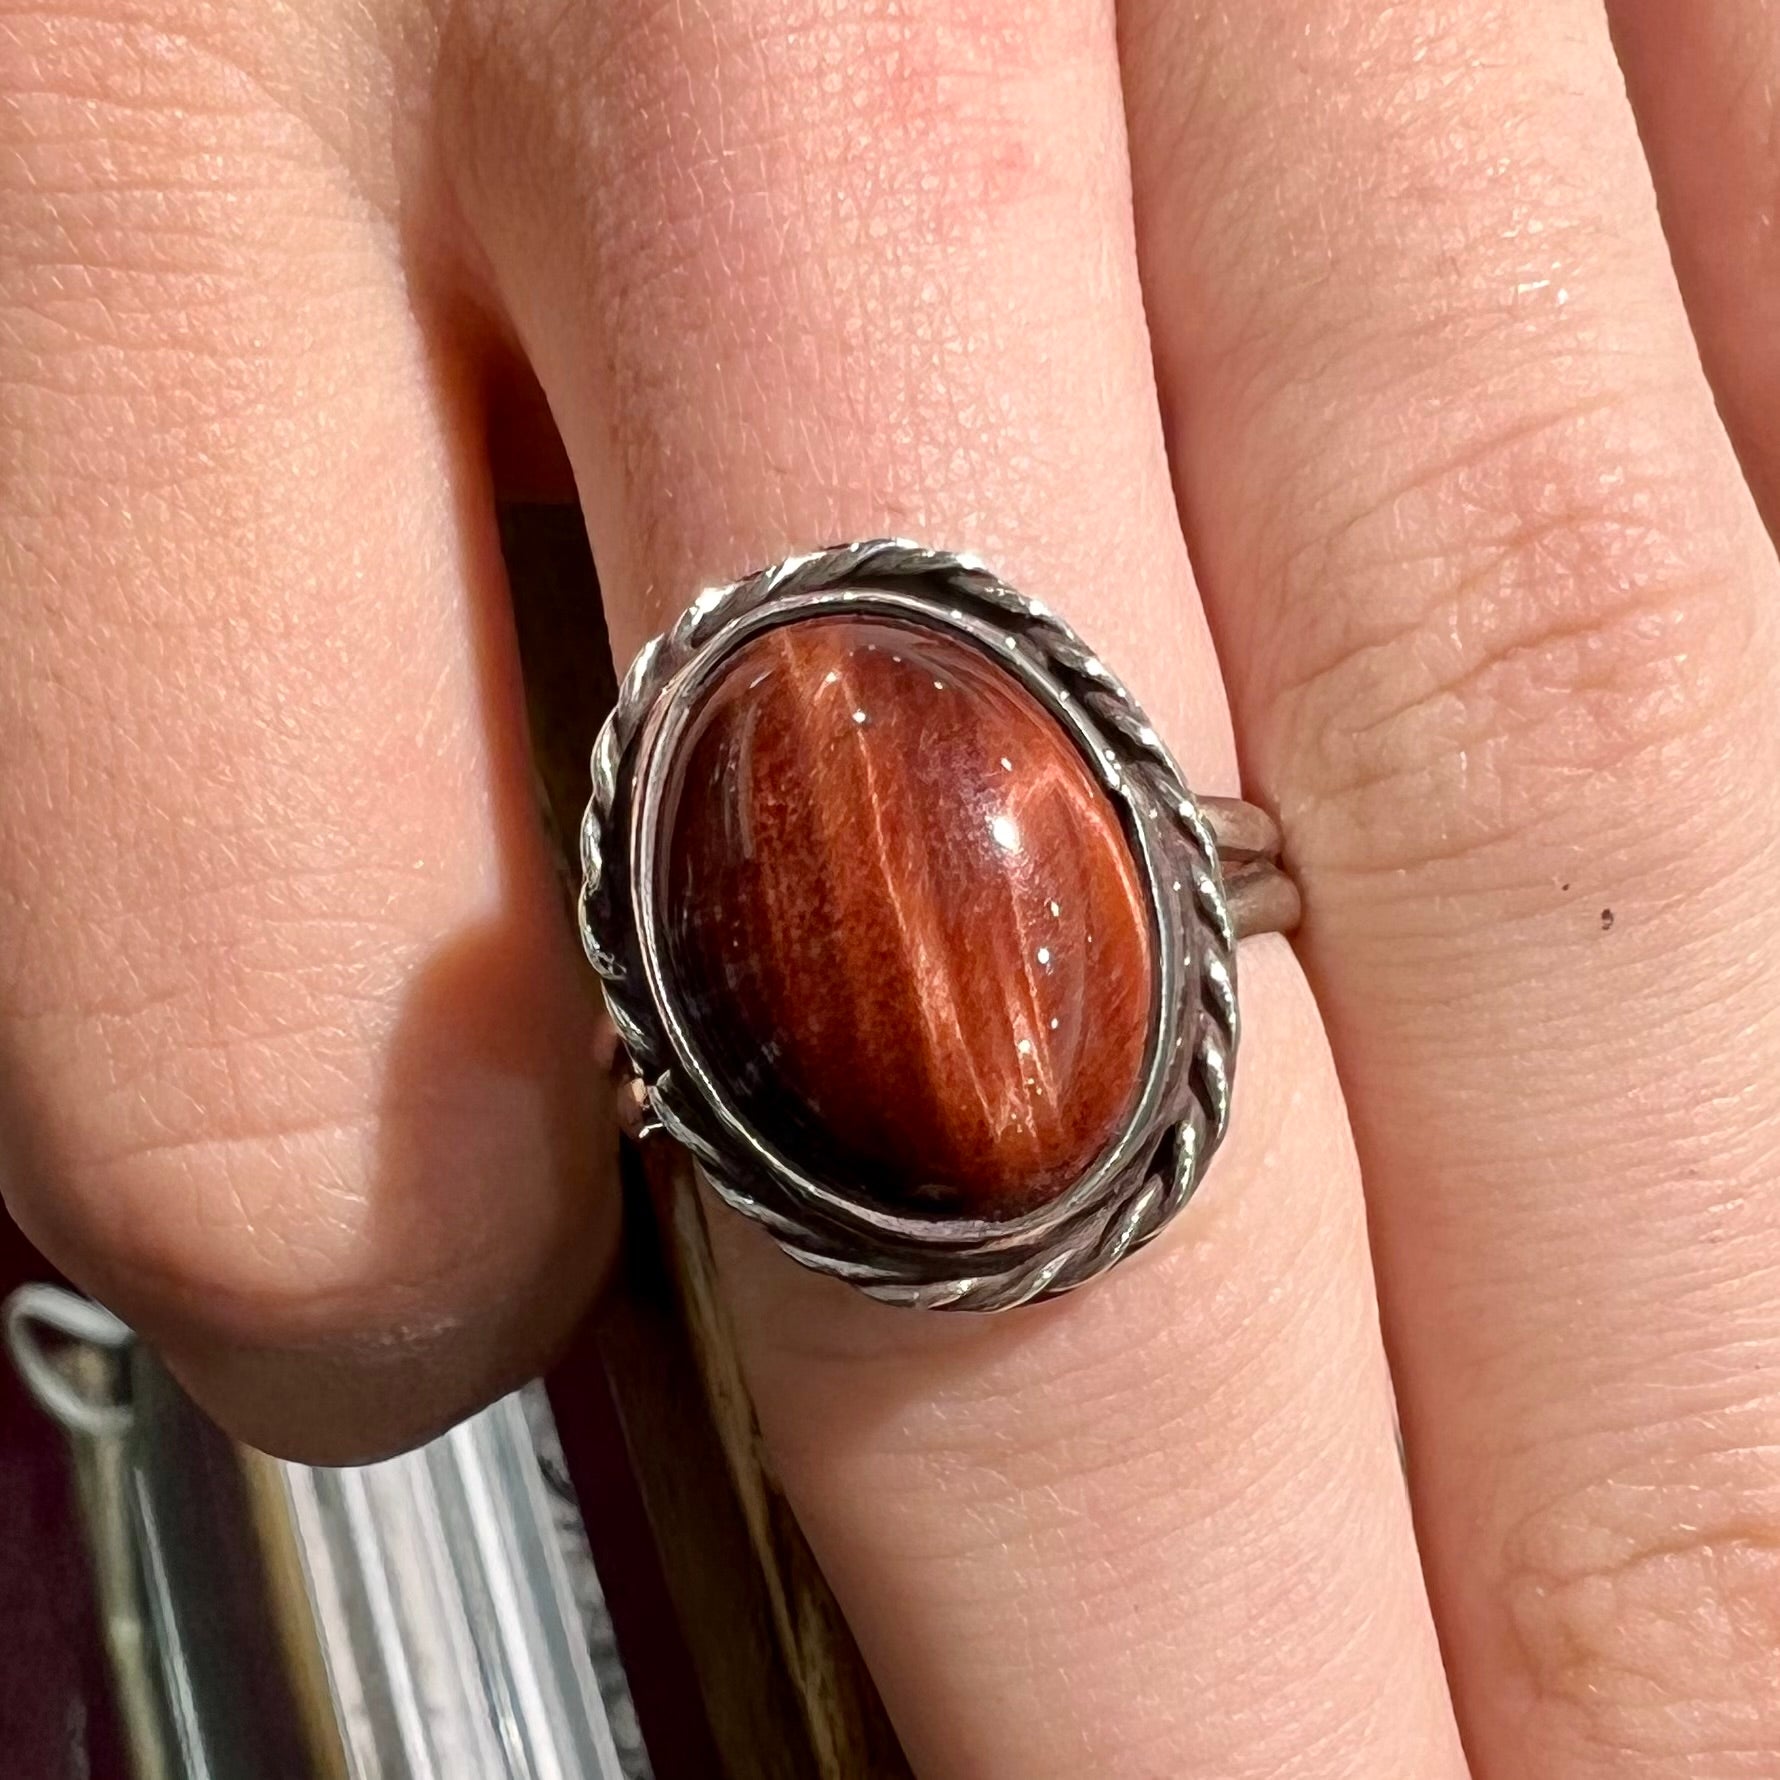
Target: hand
{"x":1371,"y":306}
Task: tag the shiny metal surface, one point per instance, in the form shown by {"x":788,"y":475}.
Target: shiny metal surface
{"x":443,"y":1611}
{"x":410,"y":1620}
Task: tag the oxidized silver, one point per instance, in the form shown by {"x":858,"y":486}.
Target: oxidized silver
{"x":1179,"y":1117}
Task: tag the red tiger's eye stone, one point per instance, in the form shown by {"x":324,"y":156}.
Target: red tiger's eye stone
{"x":904,"y":919}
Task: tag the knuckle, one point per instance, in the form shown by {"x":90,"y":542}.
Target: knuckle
{"x":1551,"y":608}
{"x":768,"y":129}
{"x":109,"y":99}
{"x":183,"y":254}
{"x":244,"y":1230}
{"x":291,"y":1128}
{"x":199,"y":1183}
{"x":1645,"y":1614}
{"x":161,"y":160}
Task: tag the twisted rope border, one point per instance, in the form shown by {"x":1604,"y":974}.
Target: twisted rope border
{"x":1031,"y":1258}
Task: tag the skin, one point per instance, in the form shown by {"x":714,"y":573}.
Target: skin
{"x":1368,"y":307}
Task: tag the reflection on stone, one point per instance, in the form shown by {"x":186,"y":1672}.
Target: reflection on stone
{"x":905,"y":919}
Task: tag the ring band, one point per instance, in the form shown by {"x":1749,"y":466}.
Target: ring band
{"x":912,"y":932}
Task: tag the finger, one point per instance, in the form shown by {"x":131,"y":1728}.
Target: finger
{"x":1499,"y":620}
{"x":291,"y":1059}
{"x":790,"y":280}
{"x":1705,"y":84}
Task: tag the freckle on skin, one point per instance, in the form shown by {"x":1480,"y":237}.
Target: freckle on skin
{"x":1606,"y":920}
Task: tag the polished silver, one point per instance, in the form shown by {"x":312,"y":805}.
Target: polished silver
{"x":1157,"y":1161}
{"x":415,"y":1619}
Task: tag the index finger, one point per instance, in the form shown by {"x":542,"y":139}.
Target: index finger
{"x":292,"y":1048}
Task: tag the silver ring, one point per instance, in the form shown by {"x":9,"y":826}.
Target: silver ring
{"x":697,"y":764}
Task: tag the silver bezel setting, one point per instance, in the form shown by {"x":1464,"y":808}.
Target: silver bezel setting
{"x":1155,"y":1163}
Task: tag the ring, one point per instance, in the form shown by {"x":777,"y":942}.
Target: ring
{"x":912,"y":932}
